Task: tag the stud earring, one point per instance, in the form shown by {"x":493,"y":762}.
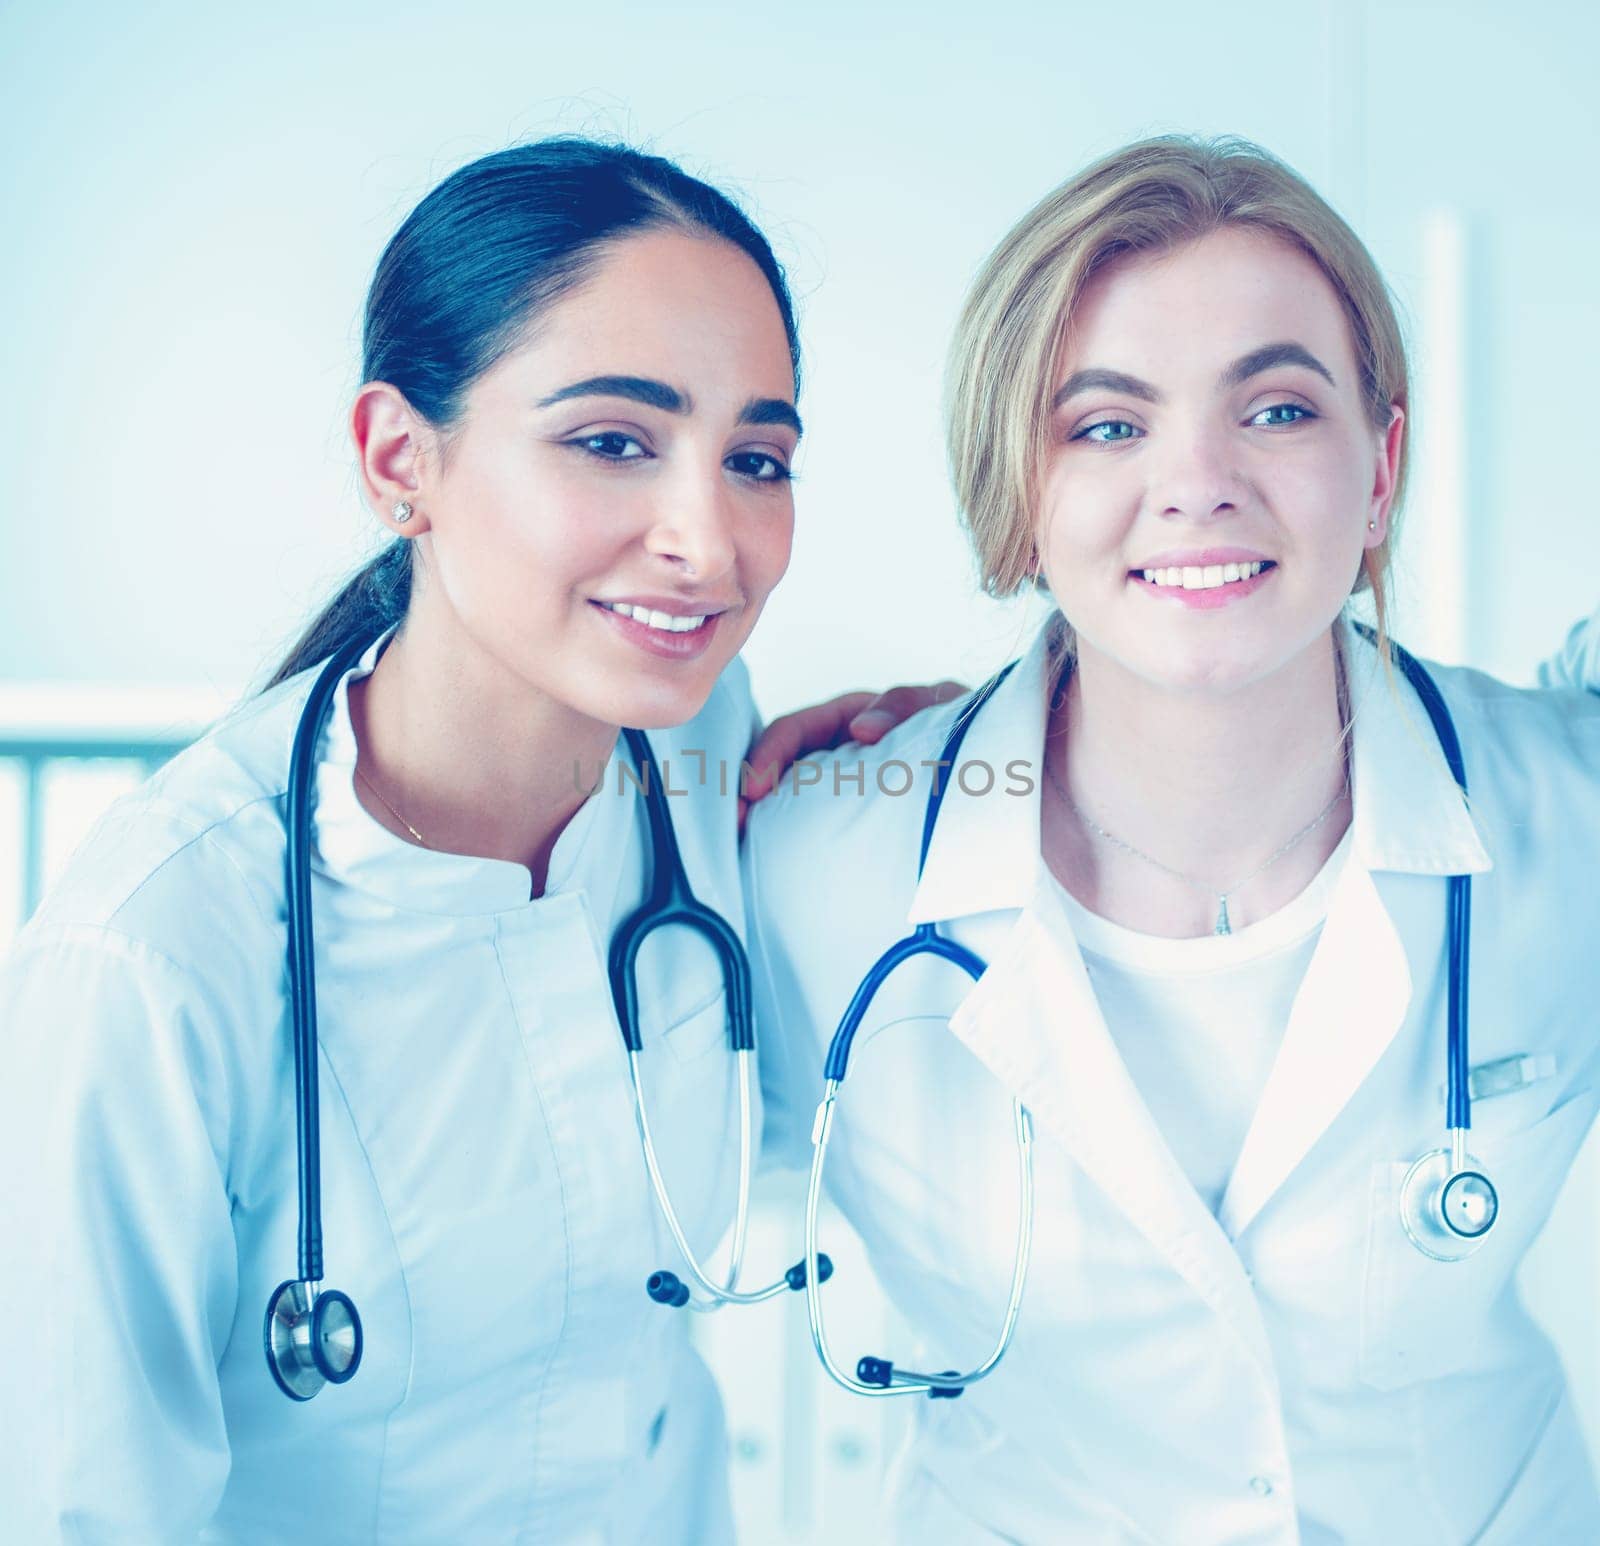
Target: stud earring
{"x":1372,"y":525}
{"x":402,"y":511}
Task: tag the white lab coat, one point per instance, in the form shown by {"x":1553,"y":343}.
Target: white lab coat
{"x":1291,"y":1368}
{"x":485,"y":1202}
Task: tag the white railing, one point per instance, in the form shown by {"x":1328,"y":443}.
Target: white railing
{"x":66,"y":752}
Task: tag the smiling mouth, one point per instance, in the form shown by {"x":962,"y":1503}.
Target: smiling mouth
{"x":662,"y":622}
{"x":1194,"y":577}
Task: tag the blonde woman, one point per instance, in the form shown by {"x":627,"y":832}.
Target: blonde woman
{"x":1200,"y":843}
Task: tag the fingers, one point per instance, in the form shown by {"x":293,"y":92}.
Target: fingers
{"x":877,"y":718}
{"x":853,"y":716}
{"x":820,"y":727}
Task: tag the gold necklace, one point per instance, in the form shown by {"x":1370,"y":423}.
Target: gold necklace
{"x":388,"y":807}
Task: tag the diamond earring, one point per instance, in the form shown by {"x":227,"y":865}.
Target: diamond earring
{"x":402,"y":511}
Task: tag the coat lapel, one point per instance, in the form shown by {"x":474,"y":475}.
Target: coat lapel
{"x":1352,"y":1001}
{"x":1409,"y":818}
{"x":1034,"y":1022}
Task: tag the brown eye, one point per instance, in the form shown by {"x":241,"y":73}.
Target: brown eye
{"x":610,"y":446}
{"x":759,"y":467}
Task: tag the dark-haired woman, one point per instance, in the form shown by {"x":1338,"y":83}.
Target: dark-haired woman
{"x":577,"y":423}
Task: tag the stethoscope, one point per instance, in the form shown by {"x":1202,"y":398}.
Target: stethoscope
{"x":1447,"y":1204}
{"x":313,"y":1334}
{"x":879,"y":1376}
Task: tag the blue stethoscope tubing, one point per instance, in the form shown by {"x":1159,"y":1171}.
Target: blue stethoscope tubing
{"x":312,"y":1335}
{"x":1447,"y":1203}
{"x":878,"y":1376}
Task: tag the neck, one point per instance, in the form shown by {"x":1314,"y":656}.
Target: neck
{"x":1209,"y":785}
{"x":465,"y":751}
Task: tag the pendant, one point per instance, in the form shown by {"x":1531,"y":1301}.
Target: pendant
{"x":1223,"y":926}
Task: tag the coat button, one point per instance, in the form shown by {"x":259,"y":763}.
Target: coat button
{"x":1261,"y":1487}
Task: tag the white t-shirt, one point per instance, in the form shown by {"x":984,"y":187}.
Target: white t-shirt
{"x":1198,"y":1022}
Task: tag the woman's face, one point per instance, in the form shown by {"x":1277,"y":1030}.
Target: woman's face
{"x":1208,"y":419}
{"x":609,"y":514}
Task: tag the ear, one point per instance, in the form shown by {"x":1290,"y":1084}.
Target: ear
{"x":390,"y":436}
{"x":1383,"y":483}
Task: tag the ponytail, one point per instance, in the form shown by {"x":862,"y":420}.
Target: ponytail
{"x":371,"y":601}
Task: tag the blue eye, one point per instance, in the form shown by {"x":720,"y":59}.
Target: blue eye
{"x":1091,"y":432}
{"x":610,"y":446}
{"x":759,"y":467}
{"x":1280,"y":408}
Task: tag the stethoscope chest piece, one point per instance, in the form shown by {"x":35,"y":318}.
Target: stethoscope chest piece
{"x":311,"y":1340}
{"x":1447,"y":1209}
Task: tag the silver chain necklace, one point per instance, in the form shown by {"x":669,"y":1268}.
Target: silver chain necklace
{"x":1222,"y":924}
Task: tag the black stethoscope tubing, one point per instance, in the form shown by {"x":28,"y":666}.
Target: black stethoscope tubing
{"x":313,"y":1335}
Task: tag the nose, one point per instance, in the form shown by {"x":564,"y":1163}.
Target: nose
{"x":1197,"y":476}
{"x":694,"y":528}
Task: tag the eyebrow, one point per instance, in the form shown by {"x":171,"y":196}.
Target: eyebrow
{"x":658,"y":394}
{"x":1270,"y":356}
{"x":771,"y":410}
{"x":1265,"y":358}
{"x":638,"y":389}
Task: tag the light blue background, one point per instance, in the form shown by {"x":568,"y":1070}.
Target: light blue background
{"x":194,"y":197}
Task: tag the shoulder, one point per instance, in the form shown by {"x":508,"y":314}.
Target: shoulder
{"x":188,"y":867}
{"x":1510,"y":734}
{"x":1532,"y":761}
{"x":844,"y":817}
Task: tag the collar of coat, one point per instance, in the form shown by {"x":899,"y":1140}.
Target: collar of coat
{"x":1409,"y":814}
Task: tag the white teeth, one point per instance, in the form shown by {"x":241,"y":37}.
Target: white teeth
{"x":1207,"y":577}
{"x":664,"y":622}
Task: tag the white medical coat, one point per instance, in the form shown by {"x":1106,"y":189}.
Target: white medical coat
{"x":484,"y":1198}
{"x":1290,"y":1369}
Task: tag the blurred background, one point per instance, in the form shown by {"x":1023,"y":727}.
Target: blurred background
{"x":196,"y":196}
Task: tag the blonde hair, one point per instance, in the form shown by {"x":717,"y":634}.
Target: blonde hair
{"x":1148,"y":197}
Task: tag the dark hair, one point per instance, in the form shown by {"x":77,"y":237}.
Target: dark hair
{"x":473,"y":264}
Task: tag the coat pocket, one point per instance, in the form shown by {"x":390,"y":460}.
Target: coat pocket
{"x":1423,"y":1319}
